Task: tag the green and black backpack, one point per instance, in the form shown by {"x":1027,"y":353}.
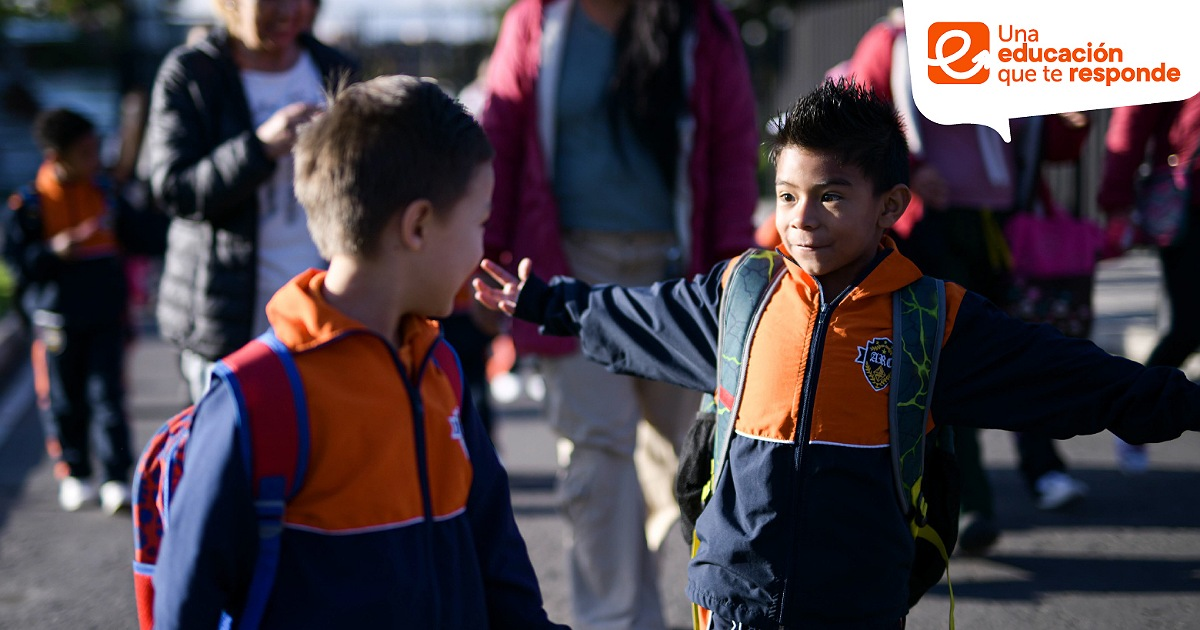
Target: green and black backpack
{"x":928,"y":485}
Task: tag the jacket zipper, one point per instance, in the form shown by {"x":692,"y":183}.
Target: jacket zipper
{"x":804,"y":420}
{"x":417,"y":405}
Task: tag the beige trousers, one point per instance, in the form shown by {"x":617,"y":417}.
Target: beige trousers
{"x":616,"y":454}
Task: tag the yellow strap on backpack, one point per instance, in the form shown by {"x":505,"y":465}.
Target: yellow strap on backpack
{"x":930,"y":535}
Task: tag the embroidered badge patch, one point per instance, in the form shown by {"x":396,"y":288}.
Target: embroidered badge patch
{"x":876,"y":361}
{"x":456,"y":432}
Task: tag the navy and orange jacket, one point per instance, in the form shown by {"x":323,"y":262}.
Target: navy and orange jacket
{"x":804,"y":528}
{"x":404,"y":518}
{"x":88,"y":289}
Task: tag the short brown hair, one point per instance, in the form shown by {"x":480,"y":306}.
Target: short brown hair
{"x":382,"y":145}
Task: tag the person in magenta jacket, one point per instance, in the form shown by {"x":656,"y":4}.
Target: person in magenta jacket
{"x":714,"y":209}
{"x":626,"y":150}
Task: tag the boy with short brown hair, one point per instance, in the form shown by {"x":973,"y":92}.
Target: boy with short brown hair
{"x":404,"y":517}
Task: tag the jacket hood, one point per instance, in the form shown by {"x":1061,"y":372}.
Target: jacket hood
{"x":303,"y":319}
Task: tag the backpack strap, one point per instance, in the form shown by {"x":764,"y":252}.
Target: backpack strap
{"x":26,"y":198}
{"x":273,"y":425}
{"x":919,"y":324}
{"x":754,"y":276}
{"x":23,"y":208}
{"x":750,"y":279}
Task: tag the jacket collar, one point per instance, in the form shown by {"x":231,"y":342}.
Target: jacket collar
{"x":303,"y":319}
{"x":888,"y":272}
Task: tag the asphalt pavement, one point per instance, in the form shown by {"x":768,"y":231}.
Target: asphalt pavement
{"x":1128,"y":557}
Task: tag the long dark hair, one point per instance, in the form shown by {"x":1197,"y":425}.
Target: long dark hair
{"x":648,"y":83}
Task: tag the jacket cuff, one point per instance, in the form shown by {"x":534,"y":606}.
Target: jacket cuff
{"x":533,"y":300}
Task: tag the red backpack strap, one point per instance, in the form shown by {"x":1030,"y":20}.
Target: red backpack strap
{"x":447,"y":359}
{"x":272,"y":405}
{"x":273,"y":423}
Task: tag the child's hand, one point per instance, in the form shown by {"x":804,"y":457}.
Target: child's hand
{"x":278,"y":133}
{"x":505,"y":297}
{"x":63,"y":244}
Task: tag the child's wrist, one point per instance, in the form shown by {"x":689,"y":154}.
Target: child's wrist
{"x":532,"y":300}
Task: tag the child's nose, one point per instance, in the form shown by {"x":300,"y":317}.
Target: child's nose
{"x":805,"y":214}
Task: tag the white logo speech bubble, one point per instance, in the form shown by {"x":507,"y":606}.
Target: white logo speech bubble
{"x":989,"y":62}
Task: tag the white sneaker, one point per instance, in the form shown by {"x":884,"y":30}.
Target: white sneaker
{"x":73,"y":492}
{"x":1132,"y":459}
{"x":1057,"y":490}
{"x":114,"y":497}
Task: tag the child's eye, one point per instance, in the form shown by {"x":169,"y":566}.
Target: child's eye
{"x":787,"y":197}
{"x":830,"y":196}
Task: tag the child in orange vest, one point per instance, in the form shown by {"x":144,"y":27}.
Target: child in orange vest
{"x":403,"y":518}
{"x":64,"y":235}
{"x":803,"y":528}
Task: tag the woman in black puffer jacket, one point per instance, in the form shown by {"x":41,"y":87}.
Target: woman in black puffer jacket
{"x":223,"y":119}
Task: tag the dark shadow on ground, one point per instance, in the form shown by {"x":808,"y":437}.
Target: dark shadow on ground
{"x":1080,"y":575}
{"x":1160,"y":499}
{"x":531,"y":482}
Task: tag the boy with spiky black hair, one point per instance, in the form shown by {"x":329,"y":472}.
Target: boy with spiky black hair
{"x":803,"y":528}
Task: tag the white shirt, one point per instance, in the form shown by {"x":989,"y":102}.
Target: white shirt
{"x":285,"y":247}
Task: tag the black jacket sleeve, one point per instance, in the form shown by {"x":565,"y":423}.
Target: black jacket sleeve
{"x":1001,"y":373}
{"x":205,"y":160}
{"x":664,"y":332}
{"x":202,"y":167}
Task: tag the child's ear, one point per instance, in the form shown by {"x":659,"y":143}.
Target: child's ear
{"x":413,"y":224}
{"x":893,"y":203}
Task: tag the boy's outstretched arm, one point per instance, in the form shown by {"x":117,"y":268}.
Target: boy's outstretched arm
{"x":997,"y":372}
{"x":664,"y":332}
{"x":514,"y":599}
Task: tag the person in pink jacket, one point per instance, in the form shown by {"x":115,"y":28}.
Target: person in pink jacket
{"x":626,"y":149}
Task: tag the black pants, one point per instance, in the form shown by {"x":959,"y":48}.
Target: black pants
{"x":84,"y":371}
{"x":1180,"y":264}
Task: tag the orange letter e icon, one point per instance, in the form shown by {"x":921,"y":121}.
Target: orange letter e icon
{"x":958,"y":52}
